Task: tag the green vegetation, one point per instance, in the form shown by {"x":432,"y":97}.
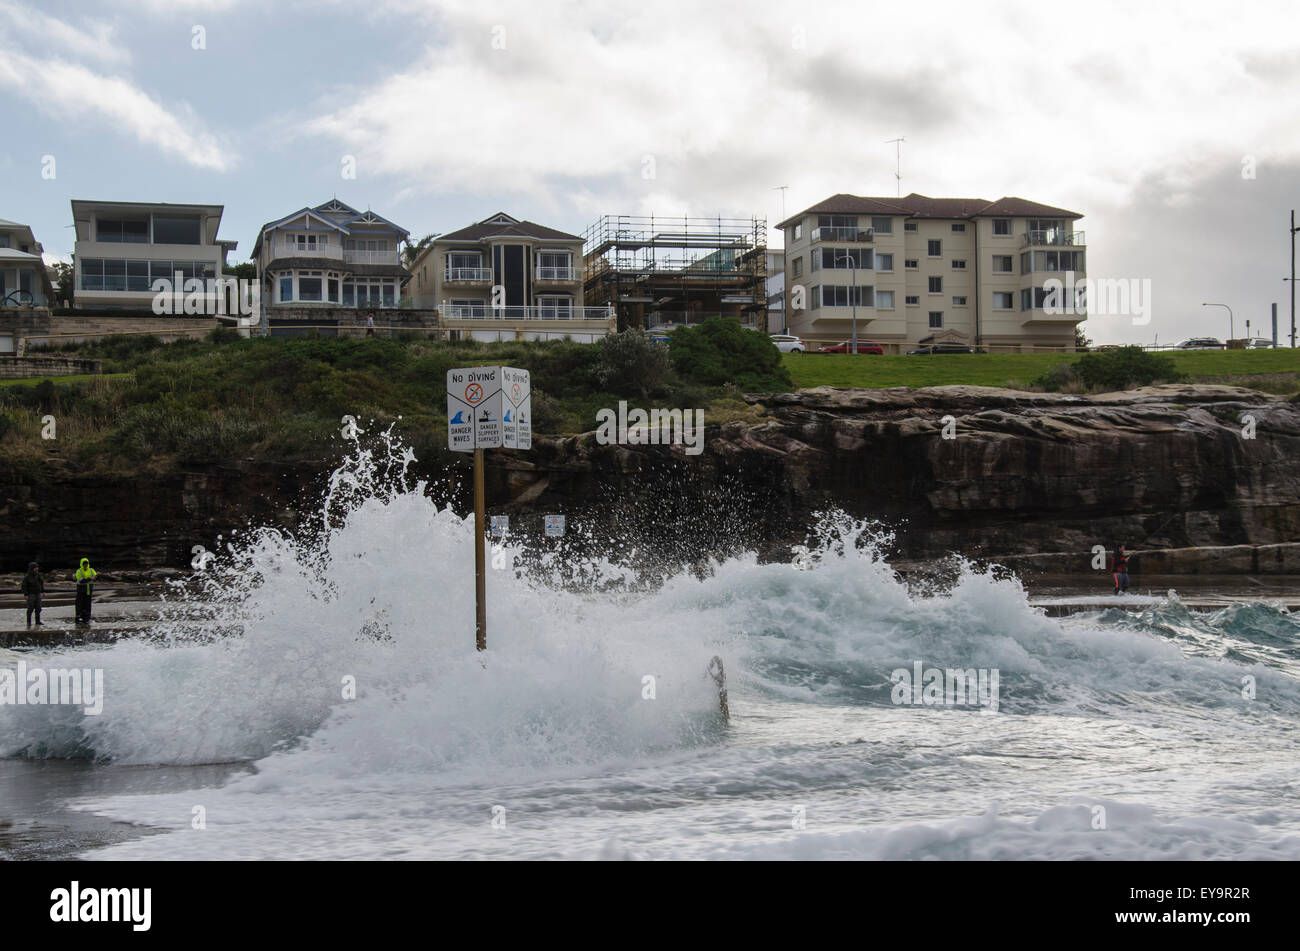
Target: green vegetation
{"x":1112,"y":370}
{"x":720,"y":351}
{"x":192,"y":402}
{"x":1273,"y":371}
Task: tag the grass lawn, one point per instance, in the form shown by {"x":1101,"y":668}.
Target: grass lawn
{"x":1274,"y":370}
{"x":75,"y":378}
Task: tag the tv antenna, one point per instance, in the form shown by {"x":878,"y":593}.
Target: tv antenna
{"x":781,"y":189}
{"x":898,"y":164}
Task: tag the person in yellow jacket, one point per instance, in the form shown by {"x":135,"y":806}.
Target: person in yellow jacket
{"x":85,"y":588}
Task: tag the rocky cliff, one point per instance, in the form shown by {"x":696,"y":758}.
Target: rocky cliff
{"x":990,"y":473}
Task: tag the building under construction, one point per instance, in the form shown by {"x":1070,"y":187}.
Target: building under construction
{"x":666,"y":271}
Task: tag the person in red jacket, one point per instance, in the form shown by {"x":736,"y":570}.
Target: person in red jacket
{"x":1119,"y":566}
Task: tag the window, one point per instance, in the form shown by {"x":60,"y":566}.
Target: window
{"x":798,"y":231}
{"x":845,"y":258}
{"x":122,"y":230}
{"x":885,"y":300}
{"x":555,"y":259}
{"x":4,"y":240}
{"x":910,"y":263}
{"x":959,"y":302}
{"x":137,"y":275}
{"x":1003,"y":264}
{"x":909,"y":225}
{"x":1002,"y":226}
{"x":1035,"y":298}
{"x":177,"y":229}
{"x":92,"y":274}
{"x":307,"y":242}
{"x":936,"y":285}
{"x":286,"y":288}
{"x":464,"y":260}
{"x":333,"y":284}
{"x":959,"y":227}
{"x":844,"y":295}
{"x":114,"y":275}
{"x":958,"y":265}
{"x":797,"y":269}
{"x":838,"y":221}
{"x":884,"y":262}
{"x":1002,"y":300}
{"x":882,"y":225}
{"x":912,"y":300}
{"x":309,"y":288}
{"x":934,"y":248}
{"x":936,"y":319}
{"x":555,"y":307}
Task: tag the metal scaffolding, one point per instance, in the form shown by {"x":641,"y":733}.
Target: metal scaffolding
{"x":659,"y":271}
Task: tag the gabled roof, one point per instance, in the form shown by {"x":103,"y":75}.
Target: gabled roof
{"x":503,"y":225}
{"x":922,"y":206}
{"x":349,"y":216}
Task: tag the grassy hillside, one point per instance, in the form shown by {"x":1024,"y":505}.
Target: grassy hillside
{"x":1274,"y":371}
{"x":194,"y":402}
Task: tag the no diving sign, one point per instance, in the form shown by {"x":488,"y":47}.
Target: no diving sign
{"x":489,"y":408}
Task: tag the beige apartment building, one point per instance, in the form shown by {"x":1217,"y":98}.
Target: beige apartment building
{"x":921,"y":270}
{"x":503,"y":278}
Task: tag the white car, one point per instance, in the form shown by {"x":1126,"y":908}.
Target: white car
{"x":1259,"y":343}
{"x":788,"y":343}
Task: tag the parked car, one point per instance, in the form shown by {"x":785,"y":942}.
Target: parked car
{"x":1202,"y":343}
{"x":846,"y":346}
{"x":788,"y":343}
{"x":1259,"y":343}
{"x":945,"y":348}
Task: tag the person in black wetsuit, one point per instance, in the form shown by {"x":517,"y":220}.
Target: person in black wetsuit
{"x":1119,"y":566}
{"x":33,"y":590}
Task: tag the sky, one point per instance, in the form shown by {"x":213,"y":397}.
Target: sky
{"x":1173,"y":128}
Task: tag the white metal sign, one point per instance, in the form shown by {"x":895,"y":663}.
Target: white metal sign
{"x":473,"y":408}
{"x":517,"y":406}
{"x":500,"y":525}
{"x":554,"y":526}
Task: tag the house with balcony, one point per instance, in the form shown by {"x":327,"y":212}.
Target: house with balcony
{"x":330,"y":256}
{"x":919,"y":270}
{"x":503,"y":278}
{"x":24,"y":281}
{"x":123,"y":247}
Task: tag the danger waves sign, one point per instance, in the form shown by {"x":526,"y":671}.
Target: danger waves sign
{"x":489,"y":408}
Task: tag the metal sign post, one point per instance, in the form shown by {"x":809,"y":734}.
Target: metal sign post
{"x":481,"y":416}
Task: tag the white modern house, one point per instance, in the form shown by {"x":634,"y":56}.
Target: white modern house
{"x":24,"y":281}
{"x":123,"y":247}
{"x":330,"y":256}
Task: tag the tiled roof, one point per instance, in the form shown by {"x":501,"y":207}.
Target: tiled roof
{"x":488,"y":228}
{"x":922,"y":206}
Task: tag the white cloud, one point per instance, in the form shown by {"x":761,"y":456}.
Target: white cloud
{"x":33,"y":29}
{"x":69,"y":92}
{"x":731,"y":98}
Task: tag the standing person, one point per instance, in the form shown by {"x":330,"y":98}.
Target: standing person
{"x":33,"y":588}
{"x":85,"y":588}
{"x":1119,"y":565}
{"x":370,"y":324}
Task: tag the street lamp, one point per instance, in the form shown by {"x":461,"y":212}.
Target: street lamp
{"x":853,"y":298}
{"x":1229,"y":309}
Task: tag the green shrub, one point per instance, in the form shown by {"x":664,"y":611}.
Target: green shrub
{"x":223,"y":334}
{"x":631,"y":364}
{"x":1057,"y":378}
{"x":721,"y":351}
{"x":1124,"y":368}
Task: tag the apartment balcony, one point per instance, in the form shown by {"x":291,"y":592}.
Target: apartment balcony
{"x":1055,"y":238}
{"x":289,"y":249}
{"x":371,"y":257}
{"x":562,"y":275}
{"x":467,"y":275}
{"x":488,"y":312}
{"x":842,"y":234}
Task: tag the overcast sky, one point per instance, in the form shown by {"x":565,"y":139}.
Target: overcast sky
{"x":1142,"y":117}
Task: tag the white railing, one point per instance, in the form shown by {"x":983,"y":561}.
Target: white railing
{"x":488,"y":312}
{"x":1055,"y":236}
{"x":370,"y":257}
{"x":557,"y":274}
{"x":842,"y":234}
{"x":291,"y":249}
{"x":477,"y":275}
